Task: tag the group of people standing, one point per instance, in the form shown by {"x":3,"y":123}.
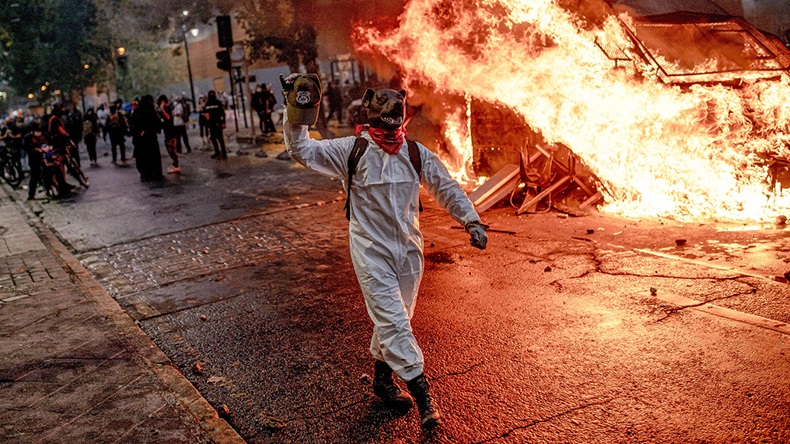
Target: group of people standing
{"x":110,"y":122}
{"x":61,"y":128}
{"x":143,"y":120}
{"x":171,"y":118}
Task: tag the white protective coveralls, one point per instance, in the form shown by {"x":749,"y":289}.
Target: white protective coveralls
{"x":384,"y":231}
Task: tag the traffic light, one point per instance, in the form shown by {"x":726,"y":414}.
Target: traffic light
{"x":223,"y":60}
{"x":224,"y":31}
{"x":122,"y":62}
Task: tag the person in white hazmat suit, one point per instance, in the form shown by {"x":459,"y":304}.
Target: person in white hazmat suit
{"x":383,"y":211}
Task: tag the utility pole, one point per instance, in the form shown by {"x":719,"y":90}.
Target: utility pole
{"x":189,"y":66}
{"x":241,"y":94}
{"x":225,"y":40}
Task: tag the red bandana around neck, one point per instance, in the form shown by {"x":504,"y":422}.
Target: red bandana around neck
{"x":388,"y":140}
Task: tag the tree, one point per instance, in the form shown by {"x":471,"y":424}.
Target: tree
{"x":47,"y":44}
{"x":273,"y":33}
{"x":140,"y":27}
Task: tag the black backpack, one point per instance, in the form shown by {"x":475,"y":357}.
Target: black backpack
{"x":360,"y":146}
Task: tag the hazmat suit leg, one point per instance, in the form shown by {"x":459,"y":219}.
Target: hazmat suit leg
{"x":390,"y":301}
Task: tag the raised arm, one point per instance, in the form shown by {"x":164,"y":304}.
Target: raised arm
{"x":329,"y":157}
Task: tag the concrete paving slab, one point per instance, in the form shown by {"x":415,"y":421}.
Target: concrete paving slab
{"x":73,"y":367}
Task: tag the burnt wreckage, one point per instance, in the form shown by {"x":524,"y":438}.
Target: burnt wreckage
{"x":679,"y":48}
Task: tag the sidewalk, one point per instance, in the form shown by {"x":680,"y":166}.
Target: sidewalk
{"x":73,"y":367}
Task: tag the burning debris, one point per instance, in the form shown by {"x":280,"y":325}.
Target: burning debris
{"x":676,"y":116}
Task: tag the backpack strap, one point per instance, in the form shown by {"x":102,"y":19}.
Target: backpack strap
{"x":416,"y":161}
{"x":414,"y":156}
{"x":360,"y":146}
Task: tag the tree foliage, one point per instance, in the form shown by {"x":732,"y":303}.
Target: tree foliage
{"x":138,"y":26}
{"x":280,"y":30}
{"x":53,"y":40}
{"x":47,"y":43}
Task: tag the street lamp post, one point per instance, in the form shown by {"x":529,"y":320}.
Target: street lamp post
{"x":194,"y":32}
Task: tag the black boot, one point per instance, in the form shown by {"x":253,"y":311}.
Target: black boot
{"x":419,"y":389}
{"x":384,"y":387}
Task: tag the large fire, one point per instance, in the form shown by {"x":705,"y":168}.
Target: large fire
{"x":694,"y":154}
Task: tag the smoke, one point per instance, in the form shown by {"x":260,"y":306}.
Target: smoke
{"x":335,"y":20}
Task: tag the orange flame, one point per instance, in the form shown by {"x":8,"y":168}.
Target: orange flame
{"x":694,"y":154}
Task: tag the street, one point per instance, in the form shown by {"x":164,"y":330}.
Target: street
{"x":573,"y":329}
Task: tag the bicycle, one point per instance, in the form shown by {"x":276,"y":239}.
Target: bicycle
{"x":54,"y":164}
{"x":73,"y":167}
{"x":11,"y":165}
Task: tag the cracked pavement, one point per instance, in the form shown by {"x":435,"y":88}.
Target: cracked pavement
{"x":549,"y":335}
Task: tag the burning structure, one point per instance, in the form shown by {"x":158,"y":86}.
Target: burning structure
{"x":681,"y":115}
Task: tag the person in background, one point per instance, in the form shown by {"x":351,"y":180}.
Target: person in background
{"x":73,"y":122}
{"x":56,"y":129}
{"x":258,"y":104}
{"x":335,"y":96}
{"x":165,"y":111}
{"x":117,"y":126}
{"x":12,"y":135}
{"x":145,"y":137}
{"x":269,"y":101}
{"x":90,"y":129}
{"x":101,"y":117}
{"x":59,"y":139}
{"x":202,"y":122}
{"x":215,"y":118}
{"x":180,"y":120}
{"x":30,"y":143}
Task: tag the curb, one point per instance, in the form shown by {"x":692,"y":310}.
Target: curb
{"x":155,"y":360}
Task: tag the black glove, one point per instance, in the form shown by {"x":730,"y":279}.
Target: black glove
{"x":477,"y":231}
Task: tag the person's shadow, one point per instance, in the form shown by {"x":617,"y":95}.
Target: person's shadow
{"x":380,"y":416}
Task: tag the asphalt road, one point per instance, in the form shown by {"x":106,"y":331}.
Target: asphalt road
{"x":552,"y":334}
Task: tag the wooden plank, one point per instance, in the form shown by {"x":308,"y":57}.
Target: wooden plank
{"x":591,"y":200}
{"x":500,"y":193}
{"x":494,"y":184}
{"x":571,"y":170}
{"x":534,"y":201}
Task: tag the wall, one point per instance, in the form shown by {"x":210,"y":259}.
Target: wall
{"x":769,"y":15}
